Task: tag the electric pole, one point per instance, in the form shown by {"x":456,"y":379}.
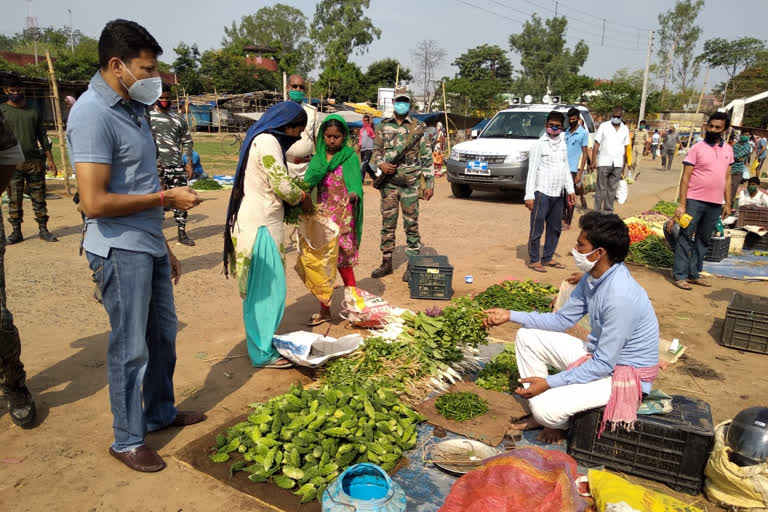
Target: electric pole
{"x":71,"y":32}
{"x":641,"y":115}
{"x":602,"y":39}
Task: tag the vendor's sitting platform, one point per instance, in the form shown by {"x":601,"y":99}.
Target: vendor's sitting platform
{"x":672,"y":448}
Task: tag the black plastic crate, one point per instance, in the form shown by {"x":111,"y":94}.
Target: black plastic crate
{"x":746,"y":323}
{"x":755,"y":242}
{"x":431,"y":277}
{"x":672,"y":448}
{"x":718,"y":248}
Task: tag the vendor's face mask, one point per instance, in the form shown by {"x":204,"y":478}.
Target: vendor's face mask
{"x":752,"y":189}
{"x":582,"y":261}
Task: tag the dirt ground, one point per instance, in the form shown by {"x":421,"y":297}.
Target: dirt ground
{"x":63,"y":463}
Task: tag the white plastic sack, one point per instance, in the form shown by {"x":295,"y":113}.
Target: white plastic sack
{"x":312,"y":349}
{"x":622,"y":192}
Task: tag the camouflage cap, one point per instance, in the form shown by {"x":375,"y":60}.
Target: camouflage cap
{"x":402,"y":92}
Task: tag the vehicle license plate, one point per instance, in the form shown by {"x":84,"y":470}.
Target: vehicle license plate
{"x":477,"y":168}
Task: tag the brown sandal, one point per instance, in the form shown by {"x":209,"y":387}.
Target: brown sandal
{"x":700,"y":282}
{"x":318,"y":319}
{"x":555,"y":264}
{"x":683,"y":285}
{"x":537,"y":268}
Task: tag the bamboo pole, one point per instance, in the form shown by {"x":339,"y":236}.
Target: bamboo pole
{"x":447,"y":128}
{"x":218,"y":112}
{"x":186,"y":110}
{"x":59,"y":121}
{"x":285,"y":86}
{"x":397,"y":76}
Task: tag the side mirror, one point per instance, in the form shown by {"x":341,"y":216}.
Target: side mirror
{"x":474,"y":134}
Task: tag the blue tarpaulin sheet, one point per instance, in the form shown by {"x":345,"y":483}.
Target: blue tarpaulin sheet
{"x":744,"y":266}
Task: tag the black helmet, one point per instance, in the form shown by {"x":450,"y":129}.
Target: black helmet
{"x":748,"y":436}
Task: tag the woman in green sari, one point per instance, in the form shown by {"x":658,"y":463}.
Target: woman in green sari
{"x":335,"y":171}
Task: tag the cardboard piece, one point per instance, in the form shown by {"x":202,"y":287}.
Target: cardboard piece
{"x":488,"y":428}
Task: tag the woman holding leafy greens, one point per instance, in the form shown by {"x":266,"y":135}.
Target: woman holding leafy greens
{"x":335,"y":171}
{"x":253,"y":238}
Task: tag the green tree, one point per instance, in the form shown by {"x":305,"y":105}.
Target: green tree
{"x":187,"y":68}
{"x":624,"y":89}
{"x":227,"y":71}
{"x":383,"y":73}
{"x":82,"y":65}
{"x":545,"y":60}
{"x":480,"y":97}
{"x":678,"y":35}
{"x":344,"y":82}
{"x":340,"y":28}
{"x":733,"y":56}
{"x":484,"y":62}
{"x":279,"y":26}
{"x":749,"y":82}
{"x":574,"y":89}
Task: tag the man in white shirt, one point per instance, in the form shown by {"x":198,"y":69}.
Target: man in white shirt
{"x":300,"y":153}
{"x":609,"y":156}
{"x":548,"y":175}
{"x":752,"y":195}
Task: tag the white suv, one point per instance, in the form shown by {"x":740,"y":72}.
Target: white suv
{"x":498,"y":158}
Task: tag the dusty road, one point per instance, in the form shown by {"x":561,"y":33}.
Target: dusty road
{"x":63,"y":464}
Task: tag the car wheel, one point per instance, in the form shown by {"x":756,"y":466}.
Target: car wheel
{"x":460,"y":190}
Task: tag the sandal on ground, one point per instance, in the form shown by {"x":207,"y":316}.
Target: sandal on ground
{"x":318,"y":319}
{"x":683,"y":285}
{"x":700,"y":282}
{"x":279,"y":364}
{"x":537,"y":267}
{"x":554,"y":264}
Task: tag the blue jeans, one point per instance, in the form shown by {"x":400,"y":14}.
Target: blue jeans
{"x":689,"y":253}
{"x":138,"y":296}
{"x":547,"y":213}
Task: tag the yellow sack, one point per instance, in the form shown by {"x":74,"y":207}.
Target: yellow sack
{"x":610,"y":490}
{"x":318,"y":255}
{"x":729,"y":484}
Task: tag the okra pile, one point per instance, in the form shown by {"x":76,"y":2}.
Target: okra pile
{"x":304,"y":439}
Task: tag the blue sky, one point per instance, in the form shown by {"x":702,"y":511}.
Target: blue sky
{"x":455,"y":24}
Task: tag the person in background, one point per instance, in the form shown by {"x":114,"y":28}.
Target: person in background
{"x":21,"y":406}
{"x":111,"y":145}
{"x":753,"y":196}
{"x":620,"y":359}
{"x":548,"y":176}
{"x":26,"y":122}
{"x":669,"y":148}
{"x":706,"y":181}
{"x":335,"y":171}
{"x":577,"y":141}
{"x":752,"y":144}
{"x":639,"y":143}
{"x":761,"y":150}
{"x":438,"y":142}
{"x":655,"y":139}
{"x":609,"y":156}
{"x":741,"y":152}
{"x":365,"y":146}
{"x":299,"y":155}
{"x":172,"y":138}
{"x":198,"y":172}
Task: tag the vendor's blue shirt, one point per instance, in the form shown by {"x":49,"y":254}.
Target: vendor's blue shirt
{"x":575,"y":141}
{"x":197,"y":167}
{"x":624,"y":332}
{"x":104,"y":128}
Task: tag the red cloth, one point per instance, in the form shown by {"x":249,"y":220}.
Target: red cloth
{"x":368,"y":129}
{"x":348,"y":276}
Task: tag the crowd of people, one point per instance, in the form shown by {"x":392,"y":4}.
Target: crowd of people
{"x":133,"y":158}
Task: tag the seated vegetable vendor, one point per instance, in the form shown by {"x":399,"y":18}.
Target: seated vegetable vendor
{"x":620,"y":359}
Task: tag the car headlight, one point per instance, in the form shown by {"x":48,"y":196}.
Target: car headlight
{"x":454,"y":155}
{"x":520,"y":156}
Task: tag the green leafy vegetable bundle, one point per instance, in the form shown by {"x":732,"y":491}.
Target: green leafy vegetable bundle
{"x":667,"y":208}
{"x":461,"y":406}
{"x":498,"y":373}
{"x":518,"y":296}
{"x":304,"y":439}
{"x":652,"y":251}
{"x":207,"y":184}
{"x":292,"y":212}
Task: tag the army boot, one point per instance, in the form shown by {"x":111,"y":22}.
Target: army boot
{"x":384,"y":270}
{"x":21,"y":406}
{"x":184,"y":239}
{"x":47,"y":235}
{"x":16,"y":236}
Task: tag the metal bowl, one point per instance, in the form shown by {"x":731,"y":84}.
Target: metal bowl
{"x":461,"y":450}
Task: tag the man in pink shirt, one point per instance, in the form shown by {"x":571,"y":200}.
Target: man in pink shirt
{"x":705,"y":196}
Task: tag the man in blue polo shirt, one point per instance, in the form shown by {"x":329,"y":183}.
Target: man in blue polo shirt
{"x":577,"y":141}
{"x":111,"y":144}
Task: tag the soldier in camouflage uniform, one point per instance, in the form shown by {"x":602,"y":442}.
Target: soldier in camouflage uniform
{"x":402,"y":189}
{"x":26,"y":122}
{"x":12,"y":375}
{"x":172,"y":137}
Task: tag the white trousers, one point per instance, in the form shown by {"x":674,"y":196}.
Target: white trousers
{"x":535,"y":350}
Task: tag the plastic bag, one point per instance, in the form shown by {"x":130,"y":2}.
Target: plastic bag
{"x":588,"y":182}
{"x":311,"y":349}
{"x":610,"y":490}
{"x":363,"y":309}
{"x":729,"y":484}
{"x":318,"y":255}
{"x":622,"y":192}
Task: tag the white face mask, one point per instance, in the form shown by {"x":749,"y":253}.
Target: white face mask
{"x":582,"y":263}
{"x":145,"y":91}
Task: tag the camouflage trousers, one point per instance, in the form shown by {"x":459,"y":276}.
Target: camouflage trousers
{"x":12,"y":373}
{"x":29,"y":177}
{"x":394,"y":198}
{"x":172,"y":177}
